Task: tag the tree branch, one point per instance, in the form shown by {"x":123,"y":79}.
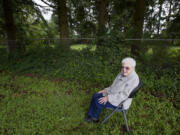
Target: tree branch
{"x":50,"y":5}
{"x":40,"y":15}
{"x":38,"y":12}
{"x":39,"y":5}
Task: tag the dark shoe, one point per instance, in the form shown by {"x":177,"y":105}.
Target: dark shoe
{"x":95,"y":120}
{"x":88,"y":119}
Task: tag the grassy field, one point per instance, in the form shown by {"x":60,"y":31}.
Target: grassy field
{"x":48,"y":92}
{"x":80,"y":47}
{"x":32,"y":105}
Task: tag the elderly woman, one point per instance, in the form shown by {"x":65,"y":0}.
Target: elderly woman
{"x":112,"y":96}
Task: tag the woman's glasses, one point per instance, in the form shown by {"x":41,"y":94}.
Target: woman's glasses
{"x":126,"y":68}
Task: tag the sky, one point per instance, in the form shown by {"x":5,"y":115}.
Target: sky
{"x":46,"y":15}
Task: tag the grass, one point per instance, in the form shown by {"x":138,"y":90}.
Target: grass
{"x":37,"y":105}
{"x":80,"y":47}
{"x":48,"y":91}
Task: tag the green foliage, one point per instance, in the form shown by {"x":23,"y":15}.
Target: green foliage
{"x":49,"y":89}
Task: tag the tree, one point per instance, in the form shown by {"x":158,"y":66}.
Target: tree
{"x":60,"y":8}
{"x":101,"y":20}
{"x":137,"y":25}
{"x":82,"y":20}
{"x":19,"y":17}
{"x":10,"y":25}
{"x":63,"y":22}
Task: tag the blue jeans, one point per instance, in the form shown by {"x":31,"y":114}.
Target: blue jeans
{"x":96,"y":108}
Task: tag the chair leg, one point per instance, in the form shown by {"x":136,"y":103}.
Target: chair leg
{"x":125,"y":119}
{"x":108,"y":117}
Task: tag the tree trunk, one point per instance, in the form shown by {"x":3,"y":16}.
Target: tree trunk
{"x":170,"y":10}
{"x":101,"y":21}
{"x":10,"y":26}
{"x":159,"y":21}
{"x":63,"y":23}
{"x":138,"y":22}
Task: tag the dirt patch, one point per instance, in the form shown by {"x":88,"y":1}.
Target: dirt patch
{"x":32,"y":75}
{"x":11,"y":86}
{"x":2,"y":97}
{"x":5,"y":85}
{"x":87,"y":91}
{"x":158,"y":94}
{"x":55,"y":92}
{"x":77,"y":127}
{"x":57,"y":80}
{"x":19,"y":94}
{"x":162,"y":96}
{"x":69,"y":92}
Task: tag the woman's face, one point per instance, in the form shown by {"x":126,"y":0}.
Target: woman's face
{"x":126,"y":69}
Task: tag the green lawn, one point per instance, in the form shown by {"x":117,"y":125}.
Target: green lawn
{"x":30,"y":104}
{"x":80,"y":47}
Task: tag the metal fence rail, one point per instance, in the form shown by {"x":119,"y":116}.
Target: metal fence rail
{"x":49,"y":41}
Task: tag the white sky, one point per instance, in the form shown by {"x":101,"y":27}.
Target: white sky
{"x":46,"y":15}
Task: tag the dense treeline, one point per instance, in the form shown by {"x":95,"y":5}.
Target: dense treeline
{"x":21,"y":21}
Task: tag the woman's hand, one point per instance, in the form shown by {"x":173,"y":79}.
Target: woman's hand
{"x":103,"y":100}
{"x":102,"y":91}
